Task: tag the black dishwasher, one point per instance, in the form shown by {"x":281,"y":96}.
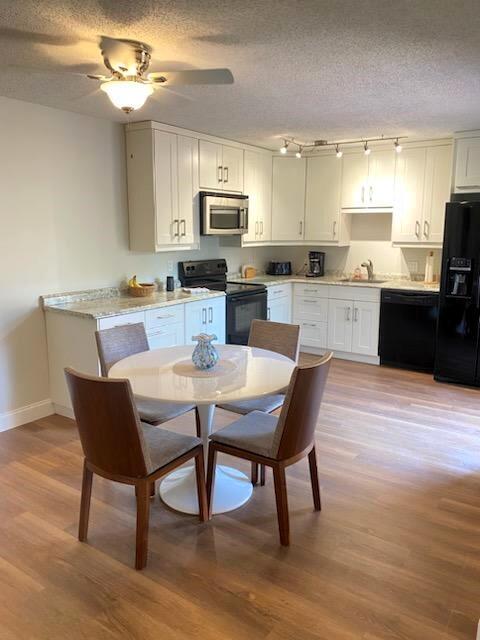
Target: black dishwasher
{"x":408,"y":321}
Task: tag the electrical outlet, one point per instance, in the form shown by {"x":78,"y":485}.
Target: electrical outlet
{"x":170,"y":267}
{"x":412,"y":266}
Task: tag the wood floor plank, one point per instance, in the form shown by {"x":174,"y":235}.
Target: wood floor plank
{"x":394,"y":553}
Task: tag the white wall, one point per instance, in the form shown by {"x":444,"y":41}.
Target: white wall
{"x":63,"y":227}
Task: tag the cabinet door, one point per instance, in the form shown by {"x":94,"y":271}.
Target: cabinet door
{"x":258,"y":187}
{"x":365,"y":328}
{"x":381,"y":179}
{"x":195,"y":319}
{"x":288,"y":200}
{"x":438,"y":173}
{"x":187,"y":188}
{"x":216,"y":320}
{"x":278,"y":310}
{"x":340,"y":314}
{"x":210,"y":161}
{"x":170,"y":336}
{"x":322,"y":207}
{"x":467,"y":165}
{"x":409,"y":191}
{"x":354,"y":181}
{"x":232,"y":163}
{"x":166,"y":188}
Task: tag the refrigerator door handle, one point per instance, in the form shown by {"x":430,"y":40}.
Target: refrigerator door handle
{"x":478,"y":292}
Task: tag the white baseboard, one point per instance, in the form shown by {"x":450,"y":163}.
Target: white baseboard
{"x":343,"y":355}
{"x":63,"y":411}
{"x":35,"y":411}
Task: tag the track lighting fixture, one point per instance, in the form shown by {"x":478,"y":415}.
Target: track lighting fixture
{"x":285,"y":147}
{"x":366,"y":148}
{"x":338,"y":153}
{"x":398,"y":146}
{"x":299,"y":152}
{"x":325,"y":144}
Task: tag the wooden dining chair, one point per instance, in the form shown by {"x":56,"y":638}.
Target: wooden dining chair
{"x":119,"y":447}
{"x":126,"y":340}
{"x":273,"y":336}
{"x":278,"y":442}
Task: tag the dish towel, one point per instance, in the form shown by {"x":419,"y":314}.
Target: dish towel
{"x":194,"y":290}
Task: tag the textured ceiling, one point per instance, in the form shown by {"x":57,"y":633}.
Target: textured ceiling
{"x":311,"y":69}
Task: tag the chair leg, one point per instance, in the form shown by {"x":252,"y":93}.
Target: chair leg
{"x":85,"y":502}
{"x":201,"y":487}
{"x":254,"y":473}
{"x":143,"y":513}
{"x":212,"y":462}
{"x":152,"y":489}
{"x":282,"y":503}
{"x":197,"y":423}
{"x":312,"y":463}
{"x":262,"y":475}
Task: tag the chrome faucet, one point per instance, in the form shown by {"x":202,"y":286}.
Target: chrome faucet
{"x":369,"y":267}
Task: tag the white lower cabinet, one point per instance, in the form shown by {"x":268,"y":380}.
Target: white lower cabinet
{"x":353,"y":326}
{"x":170,"y":336}
{"x":279,"y":303}
{"x":205,"y":316}
{"x":340,"y":325}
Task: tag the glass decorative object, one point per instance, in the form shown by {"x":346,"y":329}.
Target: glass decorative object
{"x":204,"y":356}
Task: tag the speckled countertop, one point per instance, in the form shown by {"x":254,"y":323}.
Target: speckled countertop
{"x":102,"y":303}
{"x":395,"y":283}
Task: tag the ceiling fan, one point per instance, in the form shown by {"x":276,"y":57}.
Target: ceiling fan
{"x":129,"y":85}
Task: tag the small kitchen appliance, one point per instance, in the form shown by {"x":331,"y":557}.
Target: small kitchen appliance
{"x":279,"y":269}
{"x":316,"y":264}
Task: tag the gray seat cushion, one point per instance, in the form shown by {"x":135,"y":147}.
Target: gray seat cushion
{"x":165,"y":446}
{"x":267,"y":404}
{"x":253,"y":432}
{"x":156,"y":412}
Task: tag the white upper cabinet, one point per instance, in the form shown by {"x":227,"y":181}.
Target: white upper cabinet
{"x":288,"y":199}
{"x":422,"y":188}
{"x":322,"y":207}
{"x":221,"y":167}
{"x":258,"y":188}
{"x":368,"y":181}
{"x":467,"y":164}
{"x":162,"y":173}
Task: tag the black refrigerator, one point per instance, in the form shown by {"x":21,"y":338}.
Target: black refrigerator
{"x":457,"y":345}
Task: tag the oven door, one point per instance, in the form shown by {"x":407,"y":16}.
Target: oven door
{"x":224,"y":216}
{"x":241,"y":310}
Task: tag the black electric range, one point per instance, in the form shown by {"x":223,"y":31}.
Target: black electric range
{"x":245,"y":302}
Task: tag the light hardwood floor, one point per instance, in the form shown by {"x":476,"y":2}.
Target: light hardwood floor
{"x":395,"y":553}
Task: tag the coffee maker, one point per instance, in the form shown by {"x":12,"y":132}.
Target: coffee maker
{"x":316,"y":264}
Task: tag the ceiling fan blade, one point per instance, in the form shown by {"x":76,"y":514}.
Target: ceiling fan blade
{"x":47,"y":70}
{"x":162,"y":88}
{"x":193,"y":76}
{"x":92,"y":76}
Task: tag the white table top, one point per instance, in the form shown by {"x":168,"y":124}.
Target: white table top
{"x":241,"y":374}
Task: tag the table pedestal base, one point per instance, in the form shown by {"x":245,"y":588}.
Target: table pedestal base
{"x":232,"y":488}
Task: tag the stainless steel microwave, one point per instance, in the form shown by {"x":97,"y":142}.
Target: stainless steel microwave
{"x":223,"y":214}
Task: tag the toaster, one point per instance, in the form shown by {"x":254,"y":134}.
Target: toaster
{"x":279,"y":269}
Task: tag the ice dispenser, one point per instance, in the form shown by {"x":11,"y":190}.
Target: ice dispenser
{"x":460,"y":277}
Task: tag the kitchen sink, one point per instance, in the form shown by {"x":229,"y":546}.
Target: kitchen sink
{"x":356,"y":281}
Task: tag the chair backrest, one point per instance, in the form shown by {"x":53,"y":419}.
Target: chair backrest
{"x":275,"y":336}
{"x":108,"y":424}
{"x":120,"y":342}
{"x":296,"y":424}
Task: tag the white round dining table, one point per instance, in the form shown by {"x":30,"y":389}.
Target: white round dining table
{"x":168,"y":374}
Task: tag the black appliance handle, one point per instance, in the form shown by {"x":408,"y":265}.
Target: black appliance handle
{"x":413,"y":299}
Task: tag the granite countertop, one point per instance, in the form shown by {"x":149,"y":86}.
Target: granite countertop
{"x":389,"y":282}
{"x":102,"y":303}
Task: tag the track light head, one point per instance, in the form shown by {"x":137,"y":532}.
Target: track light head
{"x":366,"y":148}
{"x":338,"y":152}
{"x":398,"y":146}
{"x":285,"y":147}
{"x":299,"y":152}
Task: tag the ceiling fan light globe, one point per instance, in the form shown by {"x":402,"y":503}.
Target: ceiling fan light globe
{"x":127,"y":95}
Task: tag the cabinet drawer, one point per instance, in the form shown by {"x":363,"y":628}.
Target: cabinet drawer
{"x":367,"y":294}
{"x":313,"y":334}
{"x":118,"y":321}
{"x":315,"y":309}
{"x":164,"y":316}
{"x":279,"y":291}
{"x":317,"y":291}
